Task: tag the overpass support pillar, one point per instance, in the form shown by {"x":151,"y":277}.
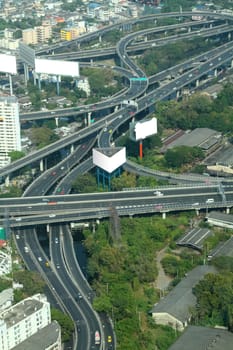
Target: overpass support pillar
{"x":89,"y":118}
{"x":79,"y":45}
{"x":211,"y":25}
{"x":164,"y":215}
{"x":26,"y":74}
{"x":145,"y":39}
{"x":177,"y":94}
{"x":100,"y":39}
{"x":116,"y":109}
{"x":91,"y":61}
{"x":228,"y":210}
{"x":41,"y":165}
{"x":7,"y":181}
{"x":216,"y":72}
{"x":229,"y":36}
{"x":197,"y":212}
{"x":72,"y":148}
{"x":231,"y":63}
{"x":47,"y":228}
{"x":197,"y":82}
{"x":189,"y":29}
{"x":56,"y":121}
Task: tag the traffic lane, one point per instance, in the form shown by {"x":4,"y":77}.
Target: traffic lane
{"x":87,"y":313}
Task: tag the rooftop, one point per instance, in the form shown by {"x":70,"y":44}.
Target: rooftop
{"x":223,"y":249}
{"x":202,"y":137}
{"x":194,"y":238}
{"x":178,"y":302}
{"x":41,"y":340}
{"x":21,"y":310}
{"x":222,"y":217}
{"x":204,"y":338}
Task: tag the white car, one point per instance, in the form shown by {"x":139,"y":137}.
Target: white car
{"x":158,"y":193}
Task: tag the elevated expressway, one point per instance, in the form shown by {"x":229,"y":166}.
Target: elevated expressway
{"x":218,"y":30}
{"x":72,"y":208}
{"x":162,"y":92}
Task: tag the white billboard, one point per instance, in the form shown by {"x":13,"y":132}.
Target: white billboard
{"x":141,"y":130}
{"x":8,"y":64}
{"x":56,"y":67}
{"x":109,"y":159}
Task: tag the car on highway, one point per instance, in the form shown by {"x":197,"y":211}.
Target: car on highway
{"x":109,"y":339}
{"x":18,"y":219}
{"x":52,"y":215}
{"x":39,"y":258}
{"x":17,"y":236}
{"x":210,"y":200}
{"x":158,"y":193}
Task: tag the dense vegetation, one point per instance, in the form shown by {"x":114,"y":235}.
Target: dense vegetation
{"x":122,"y":269}
{"x":153,"y":61}
{"x":199,"y":111}
{"x":215,"y":296}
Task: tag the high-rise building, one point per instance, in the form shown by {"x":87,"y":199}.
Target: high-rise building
{"x":9,"y":128}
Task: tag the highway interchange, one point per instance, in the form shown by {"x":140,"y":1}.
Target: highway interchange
{"x":67,"y":284}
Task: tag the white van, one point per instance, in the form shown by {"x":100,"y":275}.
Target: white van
{"x":210,"y":200}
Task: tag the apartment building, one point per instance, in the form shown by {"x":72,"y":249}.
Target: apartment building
{"x":37,"y":35}
{"x":9,"y":128}
{"x":29,"y":36}
{"x":26,"y":319}
{"x":72,"y":32}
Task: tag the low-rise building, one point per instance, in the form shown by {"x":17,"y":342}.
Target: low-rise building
{"x":22,"y":321}
{"x":6,"y":298}
{"x":196,"y":337}
{"x":205,"y":138}
{"x":174,"y":309}
{"x":5,"y":263}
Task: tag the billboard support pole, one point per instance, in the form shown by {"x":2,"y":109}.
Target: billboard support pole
{"x":58,"y":86}
{"x":25,"y":68}
{"x":140,"y":149}
{"x":10,"y":81}
{"x":39,"y":83}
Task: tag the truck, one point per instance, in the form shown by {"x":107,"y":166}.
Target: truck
{"x":97,"y":338}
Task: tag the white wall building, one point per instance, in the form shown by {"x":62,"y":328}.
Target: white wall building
{"x":5,"y":263}
{"x":9,"y":128}
{"x":82,"y":83}
{"x":19,"y":322}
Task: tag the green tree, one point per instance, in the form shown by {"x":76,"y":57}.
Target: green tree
{"x":15,"y":155}
{"x":84,"y":184}
{"x":125,"y":180}
{"x":66,"y":323}
{"x":42,"y":136}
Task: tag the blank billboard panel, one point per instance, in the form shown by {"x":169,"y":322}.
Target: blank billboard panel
{"x":27,"y":54}
{"x":109,"y":163}
{"x":141,"y":130}
{"x":8,"y":64}
{"x":56,"y":67}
